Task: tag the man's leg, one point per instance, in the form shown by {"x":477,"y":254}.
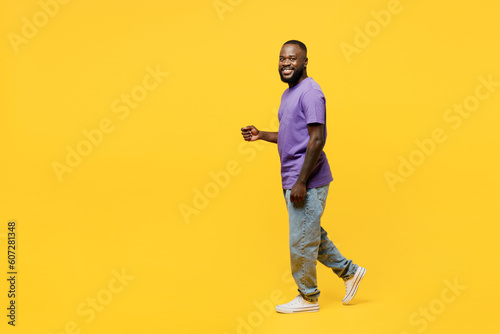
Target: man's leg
{"x":331,"y":257}
{"x":305,"y":238}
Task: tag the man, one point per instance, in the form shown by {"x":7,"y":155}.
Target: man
{"x":306,"y":176}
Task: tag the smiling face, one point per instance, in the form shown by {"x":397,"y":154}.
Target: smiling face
{"x":292,"y":64}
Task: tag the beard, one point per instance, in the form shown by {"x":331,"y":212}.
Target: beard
{"x":297,"y":73}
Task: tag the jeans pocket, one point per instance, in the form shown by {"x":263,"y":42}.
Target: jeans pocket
{"x":323,"y":193}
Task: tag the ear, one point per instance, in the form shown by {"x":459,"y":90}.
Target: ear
{"x":306,"y":61}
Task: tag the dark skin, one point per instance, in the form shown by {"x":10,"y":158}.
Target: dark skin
{"x":293,"y":58}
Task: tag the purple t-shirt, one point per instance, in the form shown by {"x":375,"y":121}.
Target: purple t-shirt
{"x":301,"y":105}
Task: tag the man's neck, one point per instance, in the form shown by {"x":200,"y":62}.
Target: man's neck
{"x":291,"y":85}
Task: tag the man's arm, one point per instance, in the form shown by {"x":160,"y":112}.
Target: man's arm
{"x":313,"y":151}
{"x":250,"y":133}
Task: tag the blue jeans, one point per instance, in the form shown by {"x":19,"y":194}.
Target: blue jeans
{"x":309,"y":242}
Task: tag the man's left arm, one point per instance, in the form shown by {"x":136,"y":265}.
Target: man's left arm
{"x":313,"y":151}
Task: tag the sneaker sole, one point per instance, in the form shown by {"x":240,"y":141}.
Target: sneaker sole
{"x":305,"y":310}
{"x":357,"y":277}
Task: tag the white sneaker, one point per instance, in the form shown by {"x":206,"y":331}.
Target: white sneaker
{"x":351,"y":285}
{"x":297,"y":305}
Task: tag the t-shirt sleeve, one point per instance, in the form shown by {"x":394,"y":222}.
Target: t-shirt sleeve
{"x":314,"y":106}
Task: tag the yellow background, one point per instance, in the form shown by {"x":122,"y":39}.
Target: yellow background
{"x":206,"y":272}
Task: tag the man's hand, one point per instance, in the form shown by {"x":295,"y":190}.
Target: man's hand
{"x":298,"y":193}
{"x":250,"y":133}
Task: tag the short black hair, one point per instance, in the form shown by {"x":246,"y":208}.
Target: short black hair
{"x":299,"y":43}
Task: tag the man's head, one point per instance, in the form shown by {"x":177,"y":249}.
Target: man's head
{"x":293,"y":62}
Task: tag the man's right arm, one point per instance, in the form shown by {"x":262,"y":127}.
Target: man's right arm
{"x":250,"y":133}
